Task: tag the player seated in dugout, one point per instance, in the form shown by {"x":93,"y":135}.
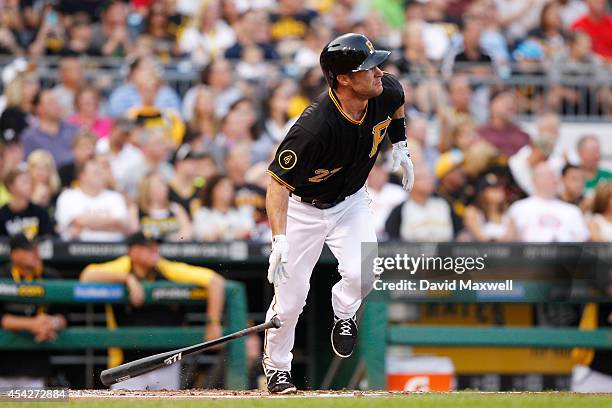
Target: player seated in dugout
{"x":144,"y":263}
{"x":28,"y":368}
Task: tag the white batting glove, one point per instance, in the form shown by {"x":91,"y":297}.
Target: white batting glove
{"x":401,"y":157}
{"x":277,"y":273}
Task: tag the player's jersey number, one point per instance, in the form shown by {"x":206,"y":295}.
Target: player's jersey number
{"x":323,"y":174}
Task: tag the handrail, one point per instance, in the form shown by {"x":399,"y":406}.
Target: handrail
{"x":72,"y":291}
{"x":101,"y":338}
{"x":75,"y":292}
{"x":376,"y":333}
{"x":517,"y":253}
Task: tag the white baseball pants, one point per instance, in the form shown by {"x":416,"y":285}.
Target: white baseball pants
{"x":343,"y":227}
{"x":586,"y":380}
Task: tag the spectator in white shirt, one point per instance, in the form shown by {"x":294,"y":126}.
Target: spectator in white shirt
{"x":422,"y":218}
{"x":541,"y":149}
{"x":218,"y":219}
{"x":208,"y":36}
{"x":384,"y":196}
{"x":543,"y":217}
{"x":121,"y":152}
{"x":89,"y":212}
{"x":487,"y":218}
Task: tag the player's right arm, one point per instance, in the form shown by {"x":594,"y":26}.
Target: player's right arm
{"x":277,"y":201}
{"x":290,"y":167}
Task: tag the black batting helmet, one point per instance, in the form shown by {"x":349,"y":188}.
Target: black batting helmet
{"x":349,"y":53}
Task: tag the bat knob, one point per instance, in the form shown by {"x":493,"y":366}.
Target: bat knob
{"x":276,"y":323}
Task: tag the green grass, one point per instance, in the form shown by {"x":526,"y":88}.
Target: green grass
{"x":417,"y":400}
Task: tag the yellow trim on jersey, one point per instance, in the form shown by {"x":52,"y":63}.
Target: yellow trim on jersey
{"x":280,"y":180}
{"x":343,"y":113}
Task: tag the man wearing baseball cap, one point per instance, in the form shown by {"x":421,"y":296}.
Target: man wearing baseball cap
{"x":27,"y":368}
{"x":143,"y":263}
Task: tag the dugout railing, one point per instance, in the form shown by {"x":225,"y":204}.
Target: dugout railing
{"x":585,"y":273}
{"x":72,"y":292}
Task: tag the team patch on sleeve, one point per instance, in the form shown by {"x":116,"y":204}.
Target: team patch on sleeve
{"x":298,"y":146}
{"x":287,"y":159}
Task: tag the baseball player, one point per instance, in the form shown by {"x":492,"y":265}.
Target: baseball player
{"x":317,"y":194}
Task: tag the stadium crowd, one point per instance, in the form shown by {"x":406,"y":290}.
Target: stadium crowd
{"x":137,"y":159}
{"x":94,"y":160}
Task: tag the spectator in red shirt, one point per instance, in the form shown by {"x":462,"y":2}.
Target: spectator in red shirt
{"x":501,"y":131}
{"x":598,"y":25}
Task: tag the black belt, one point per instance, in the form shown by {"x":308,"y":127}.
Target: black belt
{"x":315,"y":202}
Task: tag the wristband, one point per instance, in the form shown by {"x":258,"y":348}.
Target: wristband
{"x":397,"y":130}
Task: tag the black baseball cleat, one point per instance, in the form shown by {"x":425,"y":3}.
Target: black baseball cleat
{"x":279,"y":382}
{"x":344,"y":336}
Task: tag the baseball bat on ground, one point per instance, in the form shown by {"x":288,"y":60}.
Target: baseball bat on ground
{"x":148,"y":364}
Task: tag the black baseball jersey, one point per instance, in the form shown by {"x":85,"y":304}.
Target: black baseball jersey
{"x":33,"y":221}
{"x":327,"y":155}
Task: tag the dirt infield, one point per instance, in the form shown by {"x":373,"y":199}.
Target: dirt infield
{"x":223,"y":394}
{"x":327,"y":399}
{"x":219,"y":394}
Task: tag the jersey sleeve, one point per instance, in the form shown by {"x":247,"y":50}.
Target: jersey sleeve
{"x":180,"y":272}
{"x":121,"y":265}
{"x":293,"y":158}
{"x":393,"y":91}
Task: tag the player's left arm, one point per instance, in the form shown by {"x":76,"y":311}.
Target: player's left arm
{"x":400,"y":153}
{"x":399,"y":114}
